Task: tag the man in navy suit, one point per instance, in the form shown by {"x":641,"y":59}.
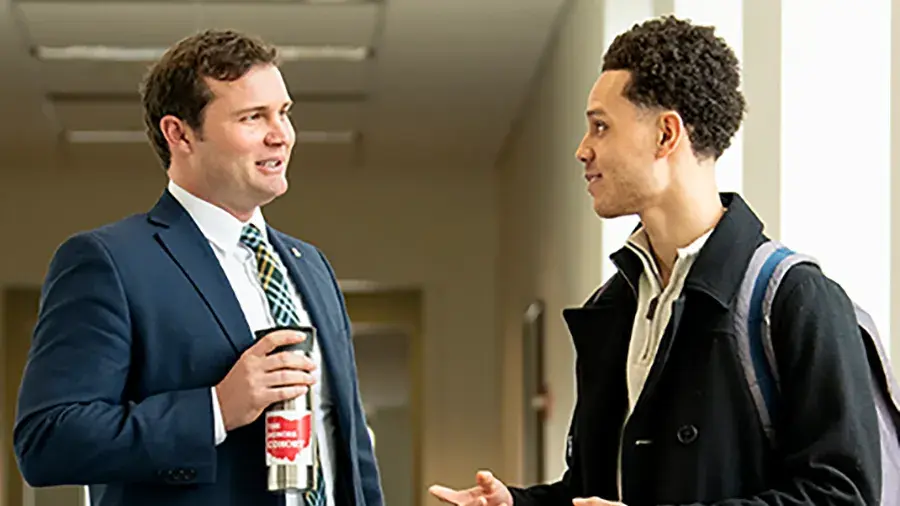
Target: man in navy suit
{"x":145,"y":378}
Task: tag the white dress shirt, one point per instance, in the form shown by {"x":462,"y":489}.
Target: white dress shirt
{"x":239,"y":264}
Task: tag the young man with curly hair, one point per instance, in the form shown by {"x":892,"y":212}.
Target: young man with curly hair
{"x":664,"y":414}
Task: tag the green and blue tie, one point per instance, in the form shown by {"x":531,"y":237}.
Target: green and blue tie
{"x":281,"y":306}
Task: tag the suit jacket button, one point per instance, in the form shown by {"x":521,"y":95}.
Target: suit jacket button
{"x":687,"y":434}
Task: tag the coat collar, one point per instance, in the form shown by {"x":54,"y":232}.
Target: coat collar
{"x":720,"y":265}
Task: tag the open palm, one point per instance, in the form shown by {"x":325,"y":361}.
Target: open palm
{"x":488,"y":491}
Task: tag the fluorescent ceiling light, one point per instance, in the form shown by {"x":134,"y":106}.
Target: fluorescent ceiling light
{"x":345,"y":53}
{"x":149,"y":54}
{"x":139,"y":136}
{"x":99,"y":53}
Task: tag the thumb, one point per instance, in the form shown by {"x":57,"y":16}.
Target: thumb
{"x":485,"y":480}
{"x":443,"y":493}
{"x":590,"y":501}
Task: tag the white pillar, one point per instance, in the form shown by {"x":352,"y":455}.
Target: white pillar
{"x":726,"y":16}
{"x":895,"y":183}
{"x":835,"y":143}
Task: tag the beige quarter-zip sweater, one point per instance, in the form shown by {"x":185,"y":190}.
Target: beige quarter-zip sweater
{"x":654,"y":308}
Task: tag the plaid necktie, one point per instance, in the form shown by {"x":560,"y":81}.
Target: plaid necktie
{"x":281,"y":306}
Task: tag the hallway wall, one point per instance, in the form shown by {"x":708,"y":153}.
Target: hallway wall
{"x":550,"y":238}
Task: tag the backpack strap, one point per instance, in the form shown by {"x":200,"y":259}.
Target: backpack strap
{"x":886,"y":378}
{"x":753,"y":327}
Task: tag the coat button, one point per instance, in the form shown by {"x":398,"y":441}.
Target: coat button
{"x":687,"y":434}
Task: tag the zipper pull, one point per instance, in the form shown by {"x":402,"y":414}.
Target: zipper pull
{"x":651,"y":310}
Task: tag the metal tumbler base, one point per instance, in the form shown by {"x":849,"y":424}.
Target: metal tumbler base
{"x":291,"y":478}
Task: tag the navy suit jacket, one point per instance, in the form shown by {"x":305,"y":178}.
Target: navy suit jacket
{"x":137,"y":322}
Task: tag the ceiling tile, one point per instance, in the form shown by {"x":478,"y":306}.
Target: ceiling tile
{"x":163,"y":23}
{"x":126,"y":115}
{"x":80,"y":77}
{"x":327,"y":77}
{"x":99,"y":115}
{"x":127,"y":24}
{"x":299,"y":25}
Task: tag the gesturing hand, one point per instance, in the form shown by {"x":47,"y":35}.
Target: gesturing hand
{"x":488,"y":491}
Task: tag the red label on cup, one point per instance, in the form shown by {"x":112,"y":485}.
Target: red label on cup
{"x":286,"y":436}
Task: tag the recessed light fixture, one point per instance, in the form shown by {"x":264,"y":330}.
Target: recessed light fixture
{"x":149,"y":54}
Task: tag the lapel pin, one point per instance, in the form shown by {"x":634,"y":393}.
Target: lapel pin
{"x":296,"y":252}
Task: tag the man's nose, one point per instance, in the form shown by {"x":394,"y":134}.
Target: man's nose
{"x":278,"y":132}
{"x":584,"y":154}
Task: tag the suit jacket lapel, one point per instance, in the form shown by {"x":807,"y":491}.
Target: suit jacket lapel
{"x":189,"y":249}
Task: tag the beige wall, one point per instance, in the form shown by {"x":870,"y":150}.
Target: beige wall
{"x":392,"y":427}
{"x":424,"y":227}
{"x":19,"y":309}
{"x":550,"y":238}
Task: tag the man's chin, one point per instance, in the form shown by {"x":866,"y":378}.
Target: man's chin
{"x":265,"y":195}
{"x":608,"y":213}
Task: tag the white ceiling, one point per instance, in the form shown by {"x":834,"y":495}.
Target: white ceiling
{"x":445,"y":83}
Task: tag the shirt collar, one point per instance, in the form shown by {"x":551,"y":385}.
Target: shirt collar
{"x":640,"y":241}
{"x":720,"y":266}
{"x":219,"y":226}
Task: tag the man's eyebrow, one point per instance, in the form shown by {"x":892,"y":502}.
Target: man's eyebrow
{"x":596,"y":112}
{"x":258,"y":108}
{"x":262,"y":108}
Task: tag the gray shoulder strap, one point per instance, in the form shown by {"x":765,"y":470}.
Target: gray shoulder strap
{"x":870,"y":334}
{"x":767,"y":268}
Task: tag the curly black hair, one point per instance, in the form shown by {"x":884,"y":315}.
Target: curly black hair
{"x":686,"y":68}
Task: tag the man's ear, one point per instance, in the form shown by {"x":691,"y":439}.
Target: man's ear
{"x":180,"y":136}
{"x":670,"y":132}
